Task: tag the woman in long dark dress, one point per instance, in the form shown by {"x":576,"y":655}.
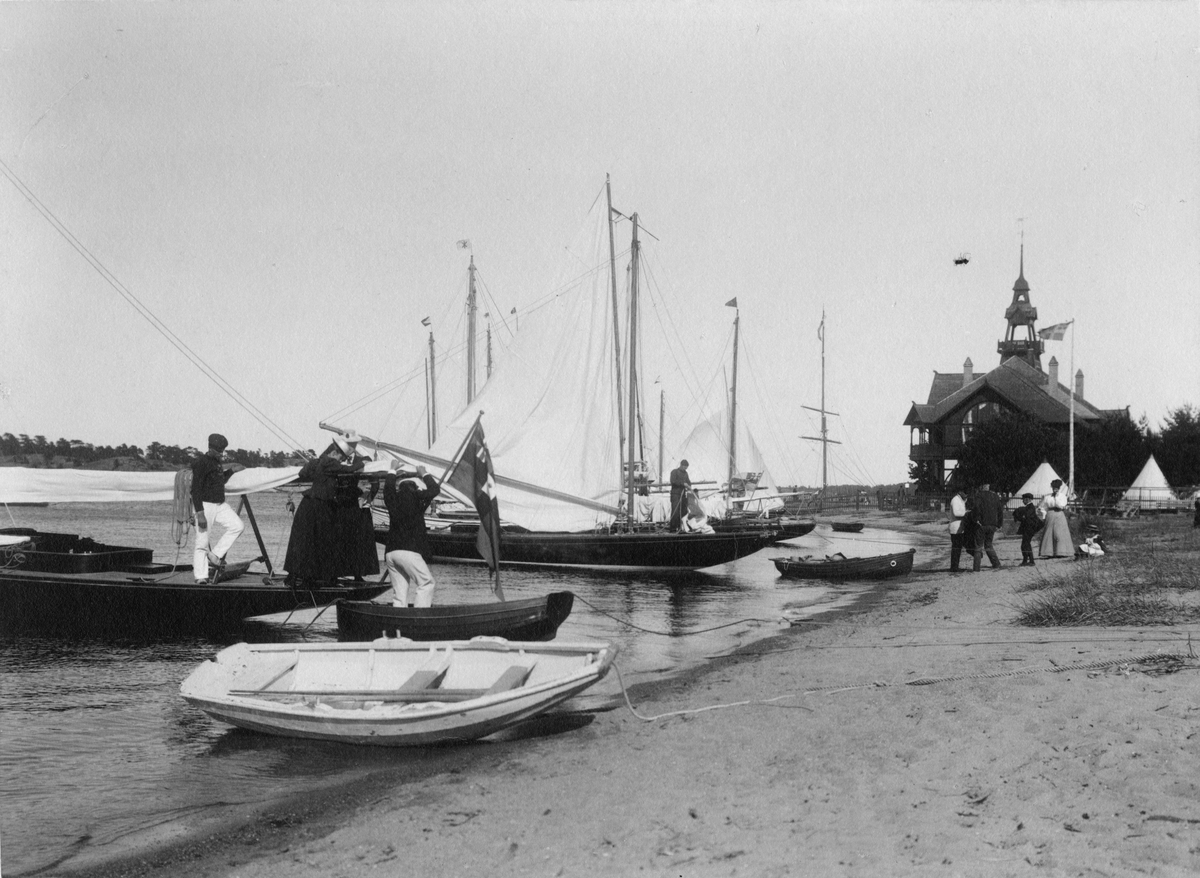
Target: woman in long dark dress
{"x":312,"y":545}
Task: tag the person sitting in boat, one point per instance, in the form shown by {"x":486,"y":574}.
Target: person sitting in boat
{"x":407,"y":493}
{"x":209,"y":475}
{"x":680,"y":485}
{"x":312,"y":551}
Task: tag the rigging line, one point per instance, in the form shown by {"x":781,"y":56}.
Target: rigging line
{"x":629,"y":624}
{"x":143,"y":310}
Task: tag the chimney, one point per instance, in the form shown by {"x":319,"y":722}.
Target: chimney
{"x":1052,"y":377}
{"x":968,"y":372}
{"x":1079,"y":384}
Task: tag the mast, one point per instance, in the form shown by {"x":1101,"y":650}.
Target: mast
{"x":662,"y":408}
{"x":471,"y":308}
{"x":489,"y":344}
{"x":633,"y":315}
{"x":432,"y":395}
{"x":428,"y":411}
{"x":733,"y":405}
{"x":612,"y":265}
{"x":824,"y":437}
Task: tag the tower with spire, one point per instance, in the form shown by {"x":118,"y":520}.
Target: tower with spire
{"x":1021,"y":339}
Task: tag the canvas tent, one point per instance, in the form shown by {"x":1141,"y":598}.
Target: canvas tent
{"x":1037,"y":484}
{"x":1149,"y":490}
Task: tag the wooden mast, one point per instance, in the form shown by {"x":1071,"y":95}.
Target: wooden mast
{"x":733,"y":406}
{"x":612,"y":264}
{"x":824,"y":437}
{"x":633,"y":316}
{"x":471,"y":308}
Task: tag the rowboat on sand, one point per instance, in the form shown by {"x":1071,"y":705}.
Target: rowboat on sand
{"x":528,"y":619}
{"x":840,"y":567}
{"x":846,"y":527}
{"x":392,"y":692}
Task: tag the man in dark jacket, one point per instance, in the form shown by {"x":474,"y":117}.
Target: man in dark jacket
{"x":990,"y":510}
{"x":407,"y":548}
{"x":209,"y":476}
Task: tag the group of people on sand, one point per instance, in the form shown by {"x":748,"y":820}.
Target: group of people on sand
{"x":333,"y":533}
{"x":975,"y":518}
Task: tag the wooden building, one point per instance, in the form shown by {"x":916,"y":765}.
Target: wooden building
{"x":958,"y":401}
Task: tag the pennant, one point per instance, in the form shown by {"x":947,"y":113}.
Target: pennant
{"x":1057,"y":332}
{"x":464,"y":244}
{"x":732,"y":303}
{"x":425,"y":321}
{"x":472,"y":476}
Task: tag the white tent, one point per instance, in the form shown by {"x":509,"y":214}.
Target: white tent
{"x":1037,"y":484}
{"x":1149,"y":490}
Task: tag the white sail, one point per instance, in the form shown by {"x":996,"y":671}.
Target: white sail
{"x":550,"y":409}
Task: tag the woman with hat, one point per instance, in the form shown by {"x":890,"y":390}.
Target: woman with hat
{"x":1056,"y":539}
{"x":311,"y":552}
{"x":1092,"y":545}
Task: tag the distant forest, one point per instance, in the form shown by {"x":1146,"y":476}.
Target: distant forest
{"x":21,"y":450}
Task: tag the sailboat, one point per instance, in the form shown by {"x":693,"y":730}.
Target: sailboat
{"x":566,"y":472}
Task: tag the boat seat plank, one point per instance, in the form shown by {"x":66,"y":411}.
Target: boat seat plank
{"x":513,"y":677}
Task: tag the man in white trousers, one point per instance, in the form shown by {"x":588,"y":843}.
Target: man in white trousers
{"x":209,"y":476}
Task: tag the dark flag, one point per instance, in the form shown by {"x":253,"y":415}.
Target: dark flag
{"x":471,"y":475}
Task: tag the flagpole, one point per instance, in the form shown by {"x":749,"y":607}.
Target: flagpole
{"x":1071,"y":427}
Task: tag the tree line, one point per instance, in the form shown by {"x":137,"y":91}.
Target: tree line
{"x":38,"y":451}
{"x":1005,"y":450}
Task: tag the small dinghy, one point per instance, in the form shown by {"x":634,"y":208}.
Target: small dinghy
{"x":528,"y":619}
{"x":847,"y":527}
{"x":392,"y":692}
{"x":840,"y":567}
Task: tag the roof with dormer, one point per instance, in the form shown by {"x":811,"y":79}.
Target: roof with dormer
{"x":1014,"y":384}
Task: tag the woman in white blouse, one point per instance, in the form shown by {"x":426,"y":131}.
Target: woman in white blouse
{"x":1056,"y":538}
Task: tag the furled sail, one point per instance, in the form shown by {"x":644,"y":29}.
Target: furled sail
{"x":28,"y":485}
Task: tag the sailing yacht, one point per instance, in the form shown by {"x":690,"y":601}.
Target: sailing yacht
{"x":560,"y":414}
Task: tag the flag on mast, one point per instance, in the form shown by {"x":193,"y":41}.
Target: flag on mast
{"x":1057,"y":332}
{"x":732,"y":303}
{"x":471,"y":475}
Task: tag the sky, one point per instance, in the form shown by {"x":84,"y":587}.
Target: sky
{"x":277,"y":191}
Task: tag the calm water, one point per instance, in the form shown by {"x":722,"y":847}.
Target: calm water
{"x":99,"y":753}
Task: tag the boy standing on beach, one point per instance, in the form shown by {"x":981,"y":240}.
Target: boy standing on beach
{"x":1028,"y":524}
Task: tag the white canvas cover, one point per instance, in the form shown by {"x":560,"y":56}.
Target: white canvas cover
{"x":1149,"y":490}
{"x":28,"y":485}
{"x":1037,"y":484}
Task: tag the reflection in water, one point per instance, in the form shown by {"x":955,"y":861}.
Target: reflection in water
{"x":98,"y":747}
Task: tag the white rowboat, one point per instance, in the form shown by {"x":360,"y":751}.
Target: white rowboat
{"x":392,"y":692}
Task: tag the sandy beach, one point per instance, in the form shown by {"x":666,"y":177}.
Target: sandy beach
{"x":921,"y":734}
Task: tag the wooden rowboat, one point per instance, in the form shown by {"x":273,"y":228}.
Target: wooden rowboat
{"x":530,"y":619}
{"x":846,"y":527}
{"x":392,"y":692}
{"x":841,"y":567}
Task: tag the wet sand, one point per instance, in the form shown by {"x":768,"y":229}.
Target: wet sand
{"x":922,"y":733}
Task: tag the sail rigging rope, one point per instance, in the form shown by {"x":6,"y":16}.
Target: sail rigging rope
{"x":1176,"y":662}
{"x":629,"y":624}
{"x":174,"y":340}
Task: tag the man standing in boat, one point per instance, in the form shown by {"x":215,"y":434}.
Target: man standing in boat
{"x":406,"y":552}
{"x":680,"y":485}
{"x":209,"y":476}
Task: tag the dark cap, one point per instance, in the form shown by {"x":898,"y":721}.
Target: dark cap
{"x":683,"y":463}
{"x":217,"y":442}
{"x":1026,"y":496}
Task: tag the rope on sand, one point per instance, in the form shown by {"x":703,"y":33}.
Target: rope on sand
{"x":1167,"y":662}
{"x":629,"y":624}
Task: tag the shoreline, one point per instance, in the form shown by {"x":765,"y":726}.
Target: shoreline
{"x":1026,"y":751}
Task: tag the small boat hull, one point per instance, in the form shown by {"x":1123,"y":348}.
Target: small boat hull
{"x":876,"y":567}
{"x":45,"y":586}
{"x":640,"y":550}
{"x":846,"y":527}
{"x":531,"y":619}
{"x":392,"y":692}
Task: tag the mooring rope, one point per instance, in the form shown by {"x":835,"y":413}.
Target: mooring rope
{"x":629,"y":624}
{"x":1182,"y":661}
